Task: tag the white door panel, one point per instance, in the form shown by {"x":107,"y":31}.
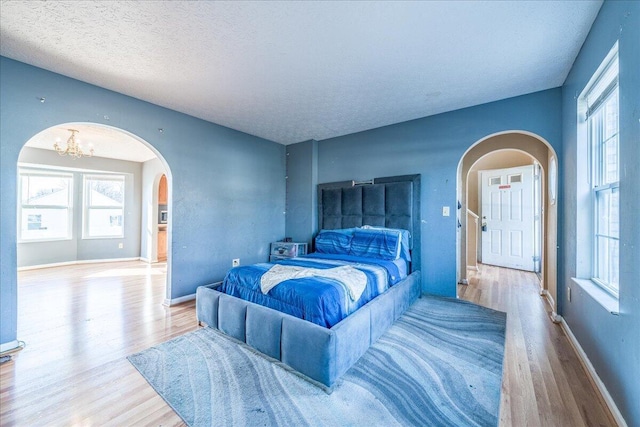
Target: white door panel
{"x":496,"y":242}
{"x":508,"y":217}
{"x":515,"y":205}
{"x":496,"y":202}
{"x":515,"y":239}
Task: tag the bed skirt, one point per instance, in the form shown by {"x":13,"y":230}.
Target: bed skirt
{"x":321,"y":354}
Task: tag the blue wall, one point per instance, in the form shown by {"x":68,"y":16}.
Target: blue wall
{"x":612,"y":343}
{"x":228,"y":188}
{"x":433,"y":147}
{"x":302,"y":199}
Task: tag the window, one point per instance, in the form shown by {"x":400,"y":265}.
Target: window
{"x":45,"y":208}
{"x":515,"y":178}
{"x":103,"y":206}
{"x":495,"y":180}
{"x":604,"y":177}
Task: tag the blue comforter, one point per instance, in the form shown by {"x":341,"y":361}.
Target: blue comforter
{"x":320,"y":300}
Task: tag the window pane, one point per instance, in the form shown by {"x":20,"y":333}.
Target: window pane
{"x":608,"y":212}
{"x":105,"y":192}
{"x":610,"y":160}
{"x":608,"y":262}
{"x":43,"y":223}
{"x":45,"y":190}
{"x":604,"y":139}
{"x":602,"y":201}
{"x":611,"y":115}
{"x":614,"y":263}
{"x":104,"y":222}
{"x":614,"y":213}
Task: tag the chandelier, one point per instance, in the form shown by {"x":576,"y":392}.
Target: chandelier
{"x":73,"y":147}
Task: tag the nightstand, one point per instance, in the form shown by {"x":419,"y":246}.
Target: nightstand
{"x":284,"y":250}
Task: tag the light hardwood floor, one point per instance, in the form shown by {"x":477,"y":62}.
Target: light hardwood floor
{"x":543,"y":382}
{"x":80,"y":323}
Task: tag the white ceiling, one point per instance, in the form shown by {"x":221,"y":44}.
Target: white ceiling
{"x":105,"y":141}
{"x":294,"y":71}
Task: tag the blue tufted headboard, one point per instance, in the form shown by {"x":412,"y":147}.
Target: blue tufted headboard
{"x":392,"y":202}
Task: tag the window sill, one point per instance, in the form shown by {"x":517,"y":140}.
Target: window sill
{"x":602,"y":297}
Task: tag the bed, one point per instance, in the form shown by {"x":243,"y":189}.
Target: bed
{"x":323,"y":344}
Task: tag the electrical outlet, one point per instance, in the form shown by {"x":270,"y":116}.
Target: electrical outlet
{"x":120,"y":245}
{"x":569,"y":293}
{"x":235,"y":262}
{"x":445,"y":211}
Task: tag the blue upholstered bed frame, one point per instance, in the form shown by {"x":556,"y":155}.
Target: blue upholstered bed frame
{"x":319,"y":353}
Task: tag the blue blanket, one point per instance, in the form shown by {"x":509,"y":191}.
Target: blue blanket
{"x":320,"y":300}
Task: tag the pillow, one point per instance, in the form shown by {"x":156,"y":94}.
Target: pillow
{"x":333,"y":242}
{"x":376,"y":243}
{"x":405,"y":248}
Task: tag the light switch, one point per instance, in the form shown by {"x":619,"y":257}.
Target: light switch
{"x":445,"y":211}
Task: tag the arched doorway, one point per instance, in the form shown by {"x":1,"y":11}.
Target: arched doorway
{"x":118,"y":157}
{"x":541,"y":151}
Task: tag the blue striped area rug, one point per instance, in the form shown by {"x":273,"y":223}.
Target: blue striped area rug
{"x":440,"y":364}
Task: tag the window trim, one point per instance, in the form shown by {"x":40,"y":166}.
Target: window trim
{"x":596,"y":147}
{"x":86,"y":177}
{"x":29,"y":172}
{"x":593,"y":98}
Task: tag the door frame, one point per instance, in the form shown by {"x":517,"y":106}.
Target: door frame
{"x":542,"y":151}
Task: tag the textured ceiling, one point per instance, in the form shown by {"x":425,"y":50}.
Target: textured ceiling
{"x":294,"y":71}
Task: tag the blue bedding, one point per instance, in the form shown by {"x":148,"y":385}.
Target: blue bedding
{"x":320,"y":300}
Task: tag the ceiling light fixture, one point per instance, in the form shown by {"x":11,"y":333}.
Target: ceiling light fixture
{"x":73,"y":147}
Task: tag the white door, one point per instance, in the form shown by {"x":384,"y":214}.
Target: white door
{"x":507,"y":217}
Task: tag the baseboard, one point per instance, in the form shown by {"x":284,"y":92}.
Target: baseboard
{"x":550,"y":300}
{"x":595,"y":379}
{"x":555,"y":317}
{"x":8,"y":346}
{"x":170,"y":302}
{"x":94,"y":261}
{"x":83,"y":261}
{"x":151,"y":261}
{"x":473,"y":267}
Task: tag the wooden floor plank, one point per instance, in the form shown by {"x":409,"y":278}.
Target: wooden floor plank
{"x":544,"y":383}
{"x":80,"y":322}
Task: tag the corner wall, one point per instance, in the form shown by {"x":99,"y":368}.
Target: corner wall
{"x":302,"y":199}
